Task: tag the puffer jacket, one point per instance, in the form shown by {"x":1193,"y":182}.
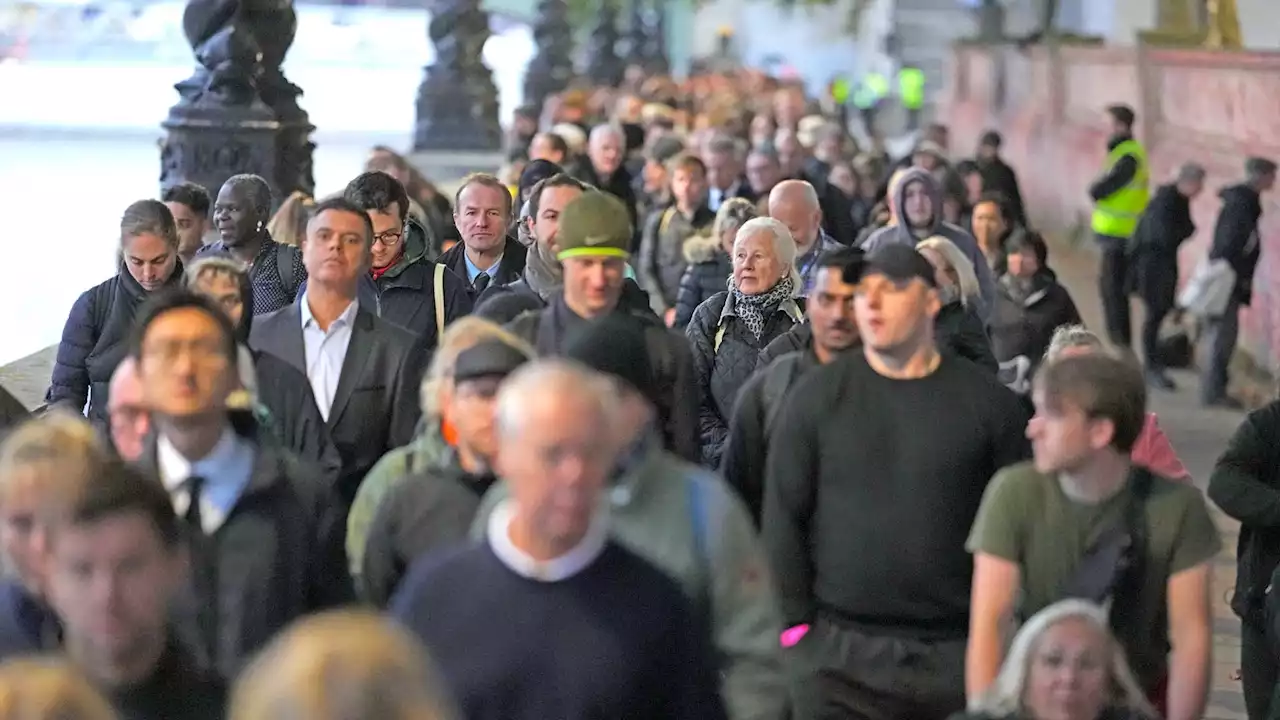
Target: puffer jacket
{"x":721,"y":369}
{"x":94,"y":342}
{"x":1023,"y":320}
{"x":959,"y":331}
{"x":708,"y":271}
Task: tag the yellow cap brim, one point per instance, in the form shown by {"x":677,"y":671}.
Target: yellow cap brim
{"x":593,"y":252}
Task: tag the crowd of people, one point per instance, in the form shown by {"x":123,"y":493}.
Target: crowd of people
{"x":701,"y":411}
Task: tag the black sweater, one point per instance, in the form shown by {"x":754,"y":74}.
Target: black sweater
{"x":175,"y":691}
{"x":871,"y":487}
{"x":616,"y":640}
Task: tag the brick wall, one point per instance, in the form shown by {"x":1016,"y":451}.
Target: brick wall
{"x":1212,"y":107}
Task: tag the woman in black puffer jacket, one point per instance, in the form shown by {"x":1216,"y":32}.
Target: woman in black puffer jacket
{"x":93,"y":341}
{"x":708,"y":258}
{"x":730,"y":328}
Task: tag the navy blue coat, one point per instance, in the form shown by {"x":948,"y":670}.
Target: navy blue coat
{"x":94,"y":342}
{"x":27,"y":625}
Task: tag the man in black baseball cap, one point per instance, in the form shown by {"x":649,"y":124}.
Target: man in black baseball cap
{"x":435,"y":505}
{"x":920,"y":435}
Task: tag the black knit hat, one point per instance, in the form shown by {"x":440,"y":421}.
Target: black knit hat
{"x":535,"y":172}
{"x":615,"y":345}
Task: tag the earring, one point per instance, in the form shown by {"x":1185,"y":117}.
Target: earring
{"x":259,"y":226}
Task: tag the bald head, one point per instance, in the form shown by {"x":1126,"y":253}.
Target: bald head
{"x":129,"y":421}
{"x":794,"y":203}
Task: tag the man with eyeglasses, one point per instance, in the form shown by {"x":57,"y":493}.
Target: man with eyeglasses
{"x":405,"y":287}
{"x":265,"y":537}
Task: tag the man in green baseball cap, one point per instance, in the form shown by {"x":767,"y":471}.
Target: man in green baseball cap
{"x":592,"y":246}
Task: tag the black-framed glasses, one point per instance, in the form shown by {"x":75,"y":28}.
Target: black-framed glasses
{"x":389,"y":238}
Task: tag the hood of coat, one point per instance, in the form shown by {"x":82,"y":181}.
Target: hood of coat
{"x":415,"y":248}
{"x":934,"y":190}
{"x":702,"y":248}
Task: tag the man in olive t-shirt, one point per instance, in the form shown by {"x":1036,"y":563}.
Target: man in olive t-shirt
{"x":1037,"y":521}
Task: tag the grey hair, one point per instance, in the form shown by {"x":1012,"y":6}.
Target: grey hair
{"x":1191,"y":172}
{"x":733,"y":213}
{"x":1004,"y":698}
{"x":259,"y":191}
{"x":1066,"y":337}
{"x":724,"y":145}
{"x":600,"y":131}
{"x":966,"y":278}
{"x":462,"y":334}
{"x":767,"y":151}
{"x":784,"y":246}
{"x":557,"y":377}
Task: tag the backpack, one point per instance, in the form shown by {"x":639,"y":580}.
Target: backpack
{"x":284,"y":267}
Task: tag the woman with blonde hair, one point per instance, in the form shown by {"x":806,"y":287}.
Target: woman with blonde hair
{"x":43,"y":463}
{"x":958,"y":328}
{"x":708,"y":257}
{"x":1064,"y":664}
{"x":47,"y":689}
{"x":288,"y":225}
{"x":342,"y":665}
{"x":434,"y":437}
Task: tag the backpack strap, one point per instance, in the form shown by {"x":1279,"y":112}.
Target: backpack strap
{"x":665,"y":221}
{"x":439,"y":292}
{"x":715,"y":350}
{"x":284,"y":266}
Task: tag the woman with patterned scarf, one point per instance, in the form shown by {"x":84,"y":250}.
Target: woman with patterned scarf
{"x":730,"y":328}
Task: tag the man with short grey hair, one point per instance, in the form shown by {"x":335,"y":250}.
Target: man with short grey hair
{"x":1153,"y":252}
{"x":1235,"y":240}
{"x":603,"y":167}
{"x":724,"y":172}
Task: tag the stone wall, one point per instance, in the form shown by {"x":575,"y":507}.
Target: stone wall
{"x":1212,"y":107}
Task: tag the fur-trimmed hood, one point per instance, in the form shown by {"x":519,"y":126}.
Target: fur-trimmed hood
{"x":701,"y":248}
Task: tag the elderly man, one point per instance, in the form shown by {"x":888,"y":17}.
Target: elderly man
{"x":795,"y":204}
{"x":549,"y":617}
{"x":128,"y":415}
{"x":725,"y":172}
{"x":602,"y":168}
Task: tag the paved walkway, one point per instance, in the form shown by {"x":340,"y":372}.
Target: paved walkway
{"x":1199,"y":436}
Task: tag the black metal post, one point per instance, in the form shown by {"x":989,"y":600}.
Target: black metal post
{"x":638,"y":40}
{"x":551,"y":67}
{"x":658,"y":60}
{"x":604,"y":67}
{"x":458,"y":100}
{"x":237,"y":113}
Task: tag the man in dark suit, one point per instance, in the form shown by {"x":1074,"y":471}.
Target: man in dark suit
{"x":364,"y":371}
{"x":487,"y":255}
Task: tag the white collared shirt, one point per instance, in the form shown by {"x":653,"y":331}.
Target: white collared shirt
{"x":562,"y":568}
{"x":226,"y":471}
{"x":325,"y":352}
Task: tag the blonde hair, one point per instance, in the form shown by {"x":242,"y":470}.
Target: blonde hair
{"x":288,"y":226}
{"x":218,"y":266}
{"x":462,"y":334}
{"x":1004,"y":698}
{"x":1066,"y":337}
{"x":60,"y":449}
{"x":733,"y":214}
{"x":342,"y":664}
{"x":956,"y":261}
{"x":48,"y":689}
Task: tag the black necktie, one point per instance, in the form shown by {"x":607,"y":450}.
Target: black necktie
{"x":194,"y":484}
{"x":481,"y":282}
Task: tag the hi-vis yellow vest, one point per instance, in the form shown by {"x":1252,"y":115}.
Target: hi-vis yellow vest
{"x":1117,"y":214}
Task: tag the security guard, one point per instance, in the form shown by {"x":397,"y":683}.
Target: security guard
{"x":911,"y":94}
{"x":867,"y":96}
{"x":1119,"y":197}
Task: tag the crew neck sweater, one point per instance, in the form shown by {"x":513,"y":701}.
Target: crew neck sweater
{"x":872,"y":486}
{"x":616,"y":640}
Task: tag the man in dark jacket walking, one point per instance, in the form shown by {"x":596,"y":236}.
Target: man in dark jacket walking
{"x":407,"y":289}
{"x":997,"y":176}
{"x":266,"y":544}
{"x":1164,"y":226}
{"x":1235,"y":240}
{"x":592,"y":243}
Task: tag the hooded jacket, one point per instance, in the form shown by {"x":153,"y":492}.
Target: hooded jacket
{"x":689,"y":524}
{"x":708,"y":271}
{"x":405,"y":292}
{"x":1235,"y":236}
{"x":901,"y":232}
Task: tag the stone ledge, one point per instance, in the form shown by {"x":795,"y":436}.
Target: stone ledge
{"x":28,"y":378}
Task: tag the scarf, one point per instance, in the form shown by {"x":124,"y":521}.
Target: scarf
{"x":754,"y":309}
{"x":541,"y":274}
